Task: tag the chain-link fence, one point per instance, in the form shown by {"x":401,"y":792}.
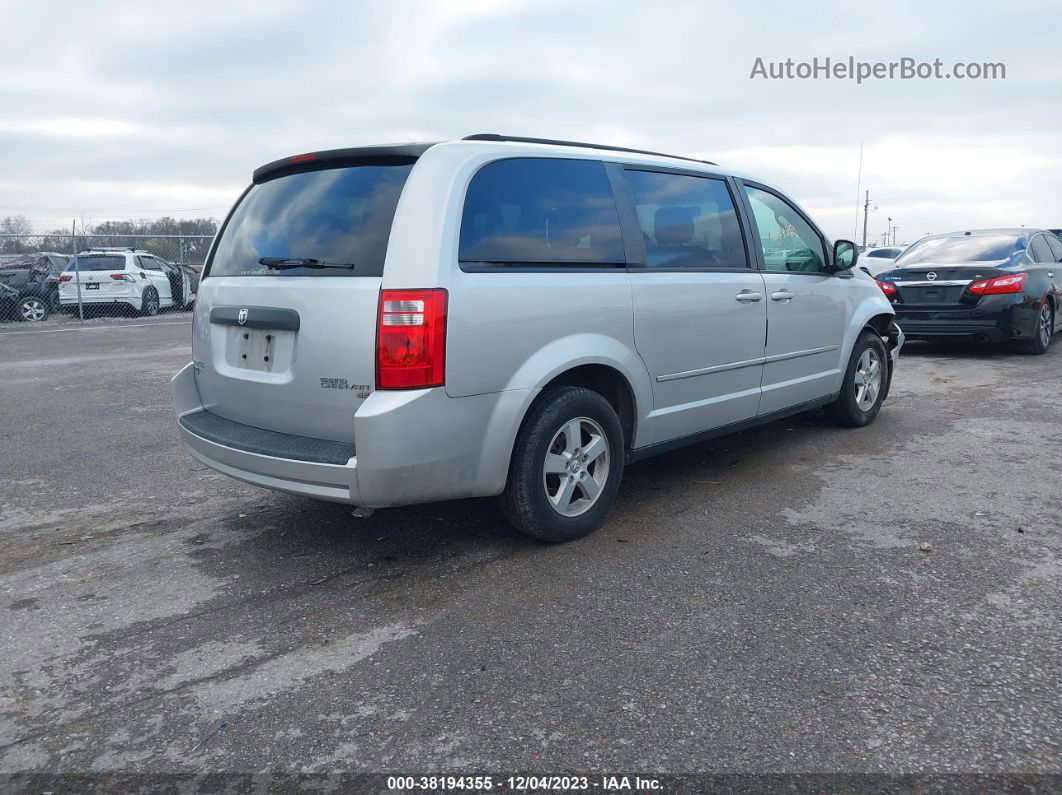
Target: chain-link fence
{"x":56,"y":276}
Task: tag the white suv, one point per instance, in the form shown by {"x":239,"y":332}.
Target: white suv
{"x":516,"y":317}
{"x":125,"y":276}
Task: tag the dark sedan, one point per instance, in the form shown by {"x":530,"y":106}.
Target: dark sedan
{"x":988,"y":285}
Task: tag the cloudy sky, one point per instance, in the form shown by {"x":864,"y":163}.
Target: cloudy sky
{"x":118,"y":109}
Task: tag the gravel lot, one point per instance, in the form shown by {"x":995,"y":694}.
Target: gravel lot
{"x":760,"y":603}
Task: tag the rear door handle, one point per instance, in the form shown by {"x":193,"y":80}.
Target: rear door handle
{"x":781,"y":295}
{"x":749,"y":297}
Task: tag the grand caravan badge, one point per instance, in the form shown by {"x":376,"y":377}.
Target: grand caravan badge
{"x":342,"y":383}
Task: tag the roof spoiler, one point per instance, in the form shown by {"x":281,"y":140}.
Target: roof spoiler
{"x":387,"y":155}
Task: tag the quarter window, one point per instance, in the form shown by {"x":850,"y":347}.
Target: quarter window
{"x":1040,"y":250}
{"x":1056,"y":248}
{"x":789,"y":242}
{"x":541,"y":211}
{"x":687,"y":222}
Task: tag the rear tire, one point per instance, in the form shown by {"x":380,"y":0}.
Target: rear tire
{"x":864,"y":384}
{"x":1043,"y":333}
{"x":149,"y":303}
{"x":566,"y":467}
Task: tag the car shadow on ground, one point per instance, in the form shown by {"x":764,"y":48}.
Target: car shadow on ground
{"x":280,"y":531}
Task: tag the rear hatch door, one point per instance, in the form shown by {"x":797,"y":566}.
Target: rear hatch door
{"x":95,"y":272}
{"x":285,"y":329}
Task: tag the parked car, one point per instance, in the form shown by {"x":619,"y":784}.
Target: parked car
{"x":517,"y":317}
{"x":988,"y":285}
{"x":128,"y":277}
{"x":877,"y":260}
{"x":29,"y":285}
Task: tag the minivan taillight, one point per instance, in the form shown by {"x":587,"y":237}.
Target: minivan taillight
{"x":1001,"y":285}
{"x":411,"y":339}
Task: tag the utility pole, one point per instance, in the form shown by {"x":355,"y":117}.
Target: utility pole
{"x":866,"y":212}
{"x":894,"y":234}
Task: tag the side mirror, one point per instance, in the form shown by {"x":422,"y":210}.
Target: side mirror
{"x":845,"y":255}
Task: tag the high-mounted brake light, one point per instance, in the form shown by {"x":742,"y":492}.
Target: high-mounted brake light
{"x":888,"y":288}
{"x":309,"y":157}
{"x":1001,"y":285}
{"x":411,"y":339}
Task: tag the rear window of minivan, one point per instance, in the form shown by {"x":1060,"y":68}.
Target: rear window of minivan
{"x":336,"y":216}
{"x":541,"y":211}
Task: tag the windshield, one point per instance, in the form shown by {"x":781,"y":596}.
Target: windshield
{"x":338,"y":216}
{"x":961,"y":248}
{"x":98,"y":262}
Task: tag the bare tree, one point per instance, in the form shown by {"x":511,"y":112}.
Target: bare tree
{"x":15,"y":229}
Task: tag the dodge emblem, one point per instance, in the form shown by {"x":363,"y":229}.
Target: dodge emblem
{"x":242,"y":317}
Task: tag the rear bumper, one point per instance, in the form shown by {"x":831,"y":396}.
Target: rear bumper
{"x":416,"y":446}
{"x":66,"y":298}
{"x":994,"y":319}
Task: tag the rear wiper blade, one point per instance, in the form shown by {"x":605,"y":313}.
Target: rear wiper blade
{"x":287,"y":263}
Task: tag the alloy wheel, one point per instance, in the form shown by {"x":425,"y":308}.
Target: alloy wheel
{"x":1046,"y":324}
{"x":576,"y":467}
{"x":33,"y":310}
{"x":868,"y":379}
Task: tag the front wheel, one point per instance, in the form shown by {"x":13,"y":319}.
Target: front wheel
{"x":32,"y":309}
{"x":1045,"y":329}
{"x":566,"y":466}
{"x":864,"y":384}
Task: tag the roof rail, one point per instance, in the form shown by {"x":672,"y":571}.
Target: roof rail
{"x":111,"y":248}
{"x":552,"y":142}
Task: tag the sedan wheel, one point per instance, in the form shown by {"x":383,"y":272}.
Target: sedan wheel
{"x":1045,"y":329}
{"x":1046,"y":325}
{"x":32,"y":309}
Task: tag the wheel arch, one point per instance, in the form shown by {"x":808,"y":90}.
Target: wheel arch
{"x":879,"y":323}
{"x":608,"y":382}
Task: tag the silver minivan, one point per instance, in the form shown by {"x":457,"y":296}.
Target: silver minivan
{"x":520,"y":317}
